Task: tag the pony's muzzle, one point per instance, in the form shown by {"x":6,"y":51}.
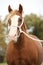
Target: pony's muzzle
{"x":12,"y":37}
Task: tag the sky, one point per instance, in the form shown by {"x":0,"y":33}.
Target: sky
{"x":29,"y":6}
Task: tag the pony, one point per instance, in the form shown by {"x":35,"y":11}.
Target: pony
{"x":21,"y":50}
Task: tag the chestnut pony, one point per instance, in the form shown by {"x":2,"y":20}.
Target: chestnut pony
{"x":21,"y":50}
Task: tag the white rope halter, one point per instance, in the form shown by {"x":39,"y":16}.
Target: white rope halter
{"x":21,"y":31}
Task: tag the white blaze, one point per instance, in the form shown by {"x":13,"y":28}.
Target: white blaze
{"x":13,"y":27}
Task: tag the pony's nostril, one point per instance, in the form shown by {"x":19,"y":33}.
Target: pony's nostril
{"x":15,"y":35}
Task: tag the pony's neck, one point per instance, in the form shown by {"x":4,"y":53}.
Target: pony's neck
{"x":21,"y":38}
{"x":20,"y":42}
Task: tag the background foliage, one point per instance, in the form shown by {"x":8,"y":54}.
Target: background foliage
{"x":35,"y":21}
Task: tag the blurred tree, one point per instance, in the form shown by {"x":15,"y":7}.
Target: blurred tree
{"x":37,"y":22}
{"x":2,"y":41}
{"x":2,"y":35}
{"x":38,"y":29}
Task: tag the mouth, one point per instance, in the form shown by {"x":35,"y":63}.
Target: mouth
{"x":14,"y":38}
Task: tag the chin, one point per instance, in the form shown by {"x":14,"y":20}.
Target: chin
{"x":13,"y":39}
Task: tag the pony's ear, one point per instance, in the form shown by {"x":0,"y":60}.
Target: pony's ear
{"x":9,"y":9}
{"x":20,"y":8}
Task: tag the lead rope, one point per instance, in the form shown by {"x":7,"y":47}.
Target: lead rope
{"x":30,"y":36}
{"x":27,"y":34}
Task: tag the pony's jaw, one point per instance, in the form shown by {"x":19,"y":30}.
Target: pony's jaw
{"x":13,"y":28}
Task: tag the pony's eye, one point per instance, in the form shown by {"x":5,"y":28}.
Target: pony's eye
{"x":20,"y":21}
{"x":9,"y":22}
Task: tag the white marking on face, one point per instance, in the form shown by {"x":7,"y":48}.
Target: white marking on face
{"x":13,"y":28}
